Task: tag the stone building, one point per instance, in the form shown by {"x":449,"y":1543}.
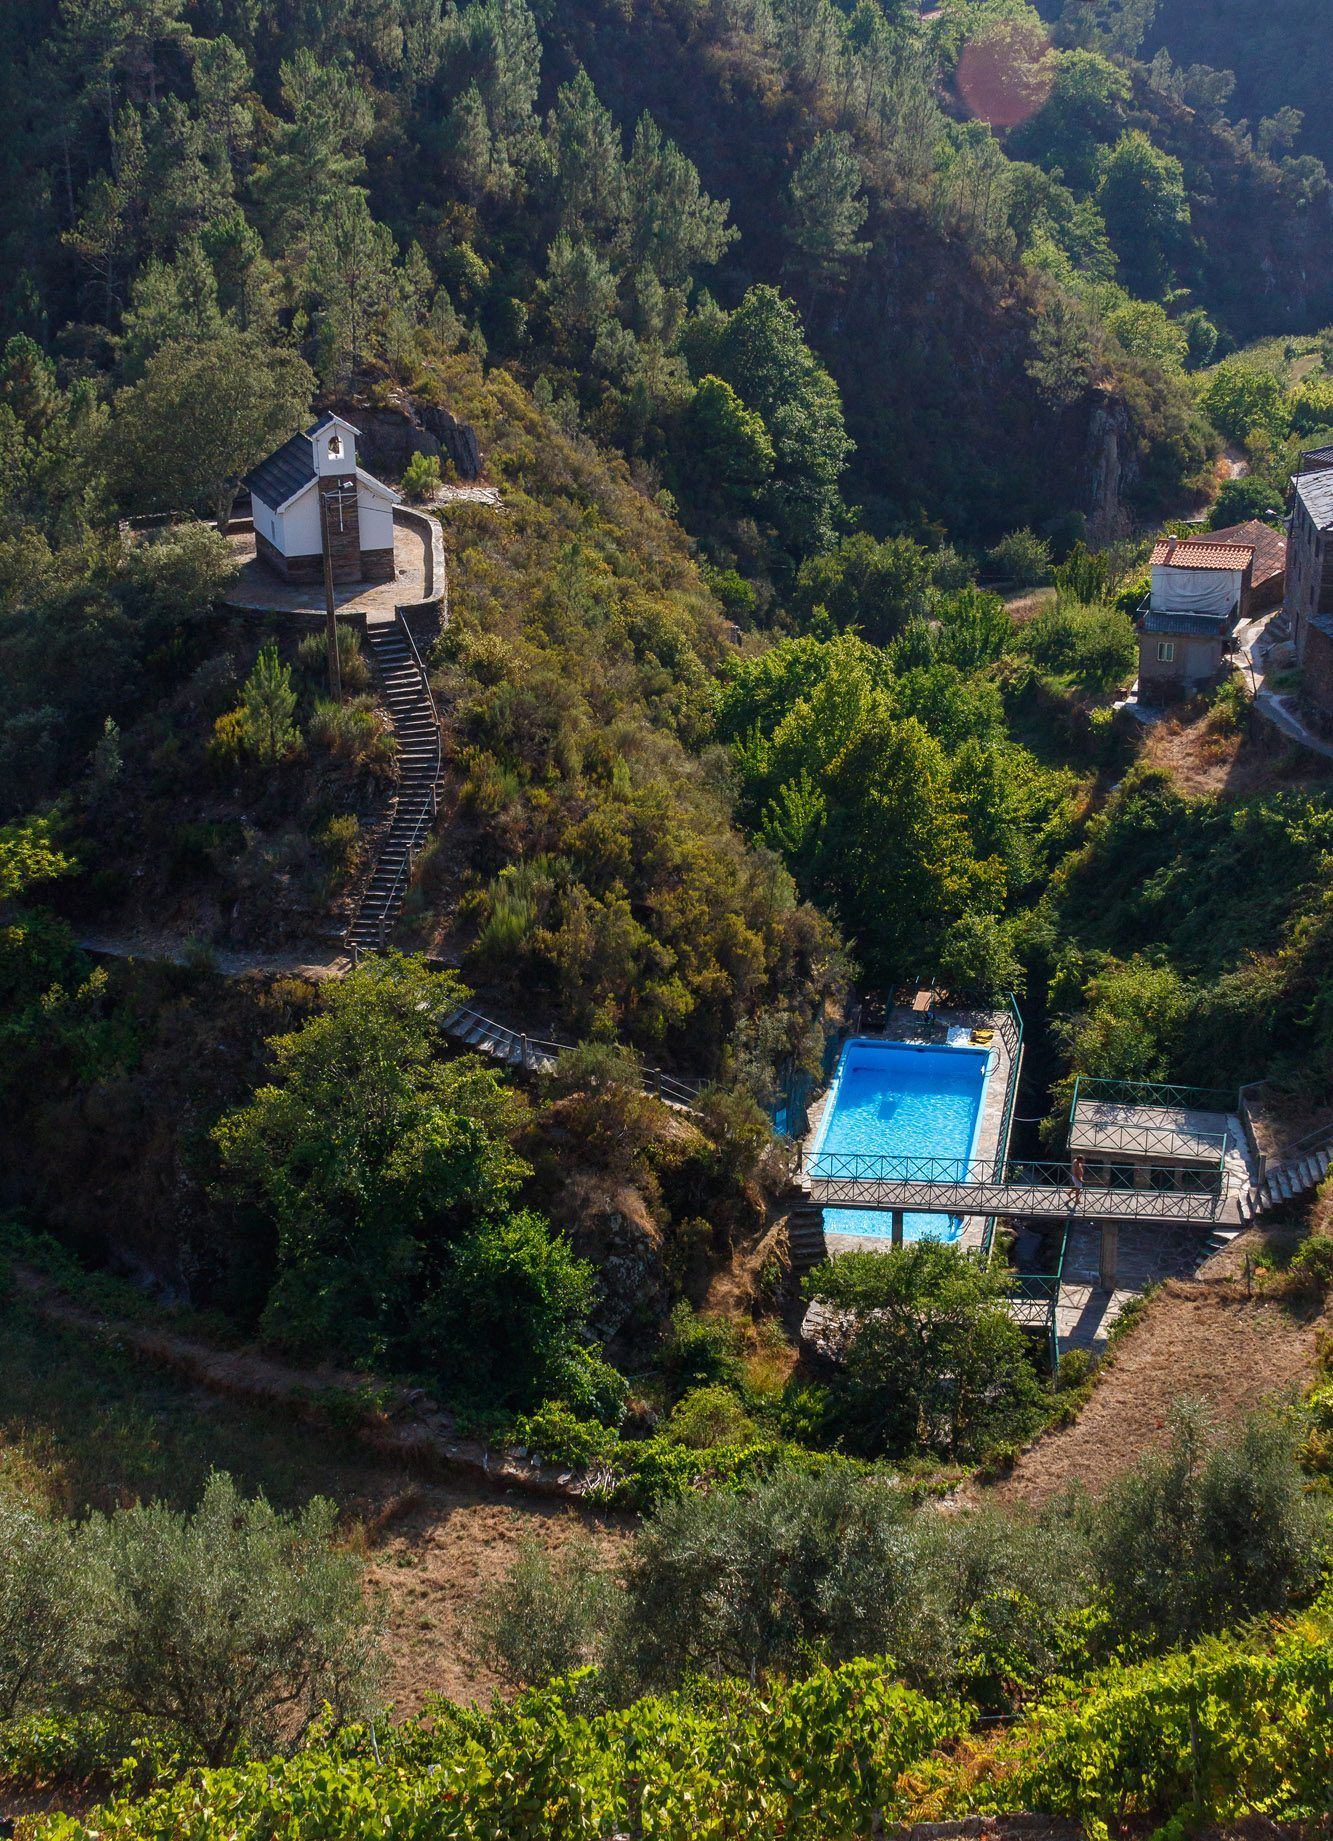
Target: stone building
{"x":312,"y":487}
{"x":1199,"y":587}
{"x":1309,"y":598}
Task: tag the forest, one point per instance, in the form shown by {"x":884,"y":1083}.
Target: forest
{"x":831,"y":368}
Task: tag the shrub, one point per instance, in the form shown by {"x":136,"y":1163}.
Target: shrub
{"x":234,"y":1625}
{"x":313,"y":652}
{"x":1077,"y":1368}
{"x":512,"y":1319}
{"x":1094,"y":646}
{"x":547,"y":1616}
{"x":421,"y":476}
{"x":700,"y":1351}
{"x":558,"y":1435}
{"x":950,"y":569}
{"x":341,"y":838}
{"x":44,"y":1606}
{"x":357,"y":735}
{"x":1022,"y":558}
{"x":707,"y":1417}
{"x":1209,"y":1531}
{"x":1230,"y":708}
{"x":1311,"y":1268}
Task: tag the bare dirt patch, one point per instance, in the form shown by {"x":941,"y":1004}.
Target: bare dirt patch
{"x":1209,"y":763}
{"x":441,"y":1546}
{"x":1204,"y":1338}
{"x":159,"y":1409}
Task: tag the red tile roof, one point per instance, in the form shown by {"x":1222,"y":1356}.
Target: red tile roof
{"x":1270,"y":547}
{"x":1192,"y":554}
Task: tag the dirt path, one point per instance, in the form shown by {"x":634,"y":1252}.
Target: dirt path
{"x":312,"y":961}
{"x":1201,"y":1337}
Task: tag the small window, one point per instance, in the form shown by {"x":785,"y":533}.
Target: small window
{"x":1166,"y":651}
{"x":335,"y":447}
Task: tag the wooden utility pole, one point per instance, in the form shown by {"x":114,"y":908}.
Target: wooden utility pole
{"x":331,"y":612}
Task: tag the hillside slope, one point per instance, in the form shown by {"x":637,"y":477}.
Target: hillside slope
{"x":1278,"y":50}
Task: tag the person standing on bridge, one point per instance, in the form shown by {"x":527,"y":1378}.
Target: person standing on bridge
{"x":1076,"y":1179}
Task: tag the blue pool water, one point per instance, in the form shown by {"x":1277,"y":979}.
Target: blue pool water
{"x":894,"y":1099}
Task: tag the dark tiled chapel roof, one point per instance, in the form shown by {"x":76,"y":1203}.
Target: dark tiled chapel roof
{"x":276,"y":479}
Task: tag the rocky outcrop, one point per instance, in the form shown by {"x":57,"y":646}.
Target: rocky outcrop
{"x":1105,"y":468}
{"x":610,"y":1224}
{"x":392,"y":432}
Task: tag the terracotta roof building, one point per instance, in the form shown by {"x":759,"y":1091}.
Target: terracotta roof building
{"x":1199,"y":590}
{"x":1195,"y":553}
{"x":1268,"y":578}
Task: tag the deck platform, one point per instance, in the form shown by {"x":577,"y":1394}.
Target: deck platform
{"x":1117,"y":1132}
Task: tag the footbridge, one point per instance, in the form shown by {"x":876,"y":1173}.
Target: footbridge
{"x":1035,"y":1191}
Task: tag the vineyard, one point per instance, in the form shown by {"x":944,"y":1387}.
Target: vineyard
{"x":1230,"y":1728}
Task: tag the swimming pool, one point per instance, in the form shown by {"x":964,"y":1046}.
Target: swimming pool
{"x":898,"y":1099}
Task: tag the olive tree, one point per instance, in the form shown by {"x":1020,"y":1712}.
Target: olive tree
{"x":233,"y":1625}
{"x":42,"y":1613}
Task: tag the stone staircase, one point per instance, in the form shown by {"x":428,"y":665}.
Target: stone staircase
{"x":417,"y":728}
{"x":806,"y":1245}
{"x":1300,"y":1169}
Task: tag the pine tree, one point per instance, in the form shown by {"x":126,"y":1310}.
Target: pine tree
{"x":268,"y":706}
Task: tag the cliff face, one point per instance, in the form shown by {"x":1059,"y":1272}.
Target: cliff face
{"x":1105,"y":470}
{"x":392,"y":433}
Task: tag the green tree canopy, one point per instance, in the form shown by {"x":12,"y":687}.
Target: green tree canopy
{"x":513,"y":1321}
{"x":1142,"y":198}
{"x":762,"y":353}
{"x":875,"y":587}
{"x":931,"y":1358}
{"x":368,"y":1151}
{"x":201,"y":415}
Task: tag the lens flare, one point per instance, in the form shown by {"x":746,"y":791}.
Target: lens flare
{"x":1005,"y":75}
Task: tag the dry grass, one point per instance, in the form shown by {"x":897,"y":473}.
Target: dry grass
{"x":1206,"y":1338}
{"x":97,"y":1415}
{"x":1208,"y":761}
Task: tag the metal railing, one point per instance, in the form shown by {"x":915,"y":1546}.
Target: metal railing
{"x":1163,"y":1093}
{"x":1032,"y":1298}
{"x":953,"y":1186}
{"x":1034,"y":1301}
{"x":1147,"y":1137}
{"x":1011,"y":1034}
{"x":538,"y":1054}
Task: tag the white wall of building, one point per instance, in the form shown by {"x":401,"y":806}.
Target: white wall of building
{"x":339,"y":435}
{"x":300,"y":526}
{"x":1195,"y":591}
{"x":375,"y":515}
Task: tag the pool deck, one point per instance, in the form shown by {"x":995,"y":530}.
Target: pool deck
{"x":941,"y":1029}
{"x":1120,"y":1132}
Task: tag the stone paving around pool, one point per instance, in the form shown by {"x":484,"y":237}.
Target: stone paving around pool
{"x":941,"y":1029}
{"x":1147,"y":1253}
